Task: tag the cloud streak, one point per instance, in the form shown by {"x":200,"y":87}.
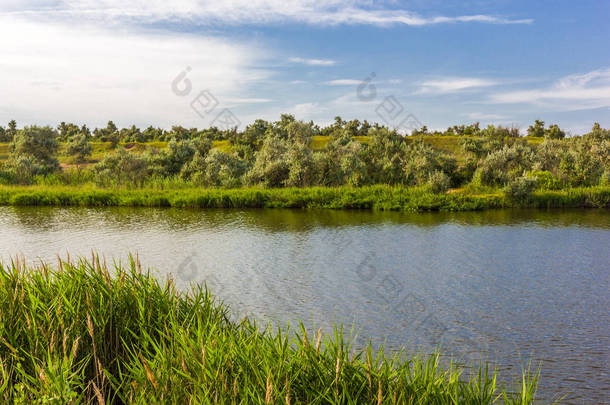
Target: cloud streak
{"x":313,"y":62}
{"x":452,"y":85}
{"x":343,"y":82}
{"x":570,"y":93}
{"x":258,"y":12}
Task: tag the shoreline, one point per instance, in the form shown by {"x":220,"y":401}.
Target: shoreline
{"x":383,"y":198}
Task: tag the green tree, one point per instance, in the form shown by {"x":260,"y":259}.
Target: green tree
{"x":121,"y":168}
{"x":179,"y":154}
{"x":7,"y":135}
{"x":79,"y":148}
{"x":422,"y":160}
{"x":554,"y":132}
{"x":537,"y":129}
{"x":385,"y":156}
{"x":12,"y":128}
{"x":271,"y":167}
{"x":223,"y":169}
{"x":599,"y":133}
{"x":67,"y":131}
{"x":39,"y":143}
{"x":301,"y":166}
{"x":108,"y":134}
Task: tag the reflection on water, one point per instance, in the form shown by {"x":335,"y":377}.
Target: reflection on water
{"x":501,"y":285}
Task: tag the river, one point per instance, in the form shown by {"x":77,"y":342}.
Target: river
{"x":507,"y":286}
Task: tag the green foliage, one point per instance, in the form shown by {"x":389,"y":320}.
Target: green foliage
{"x":108,"y":134}
{"x":421,"y":161}
{"x":385,"y":157}
{"x":554,"y":132}
{"x":545,"y":180}
{"x":177,"y":194}
{"x":121,"y":168}
{"x":87,"y":333}
{"x":292,"y":153}
{"x":223,"y":170}
{"x":301,"y":166}
{"x":7,"y":135}
{"x":178,"y":154}
{"x":504,"y":165}
{"x":598,"y":133}
{"x":439,"y":182}
{"x":537,"y":129}
{"x":79,"y":148}
{"x":37,"y":145}
{"x":271,"y":167}
{"x":584,"y":161}
{"x":520,"y":188}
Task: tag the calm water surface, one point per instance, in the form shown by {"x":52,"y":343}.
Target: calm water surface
{"x":507,"y":286}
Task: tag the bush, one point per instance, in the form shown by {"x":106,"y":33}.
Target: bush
{"x":121,"y":168}
{"x":421,"y":160}
{"x":223,"y":170}
{"x":271,"y":165}
{"x":502,"y":165}
{"x":438,"y":182}
{"x":520,"y":189}
{"x":79,"y":148}
{"x":39,"y":146}
{"x":545,"y":180}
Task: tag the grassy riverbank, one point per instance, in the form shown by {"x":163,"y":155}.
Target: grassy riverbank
{"x":373,"y":197}
{"x":86,"y":333}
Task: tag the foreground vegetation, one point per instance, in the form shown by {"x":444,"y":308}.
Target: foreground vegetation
{"x":295,"y":154}
{"x":368,"y":197}
{"x":84,"y":333}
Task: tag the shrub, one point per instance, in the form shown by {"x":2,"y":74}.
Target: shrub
{"x":605,"y":178}
{"x":39,"y":145}
{"x":301,"y":166}
{"x":223,"y":169}
{"x":438,"y":182}
{"x":504,"y":164}
{"x":79,"y":148}
{"x":179,"y":153}
{"x":271,"y":167}
{"x":545,"y":180}
{"x":121,"y":167}
{"x":421,"y":160}
{"x":520,"y":189}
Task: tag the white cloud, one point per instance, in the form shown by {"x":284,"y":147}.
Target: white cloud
{"x":246,"y":100}
{"x":450,"y":85}
{"x":305,"y":110}
{"x":56,"y":71}
{"x":313,"y":62}
{"x":479,"y":116}
{"x":330,"y":12}
{"x":343,"y":82}
{"x":570,"y":93}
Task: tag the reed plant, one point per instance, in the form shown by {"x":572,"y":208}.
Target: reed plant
{"x":88,"y":332}
{"x":370,"y":197}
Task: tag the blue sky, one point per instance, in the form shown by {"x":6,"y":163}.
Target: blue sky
{"x":441,"y":62}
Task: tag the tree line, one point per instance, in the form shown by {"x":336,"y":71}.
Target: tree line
{"x":279,"y":154}
{"x":111,"y":133}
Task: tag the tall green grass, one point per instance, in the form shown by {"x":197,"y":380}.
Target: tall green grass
{"x":86,"y":333}
{"x":371,"y":197}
